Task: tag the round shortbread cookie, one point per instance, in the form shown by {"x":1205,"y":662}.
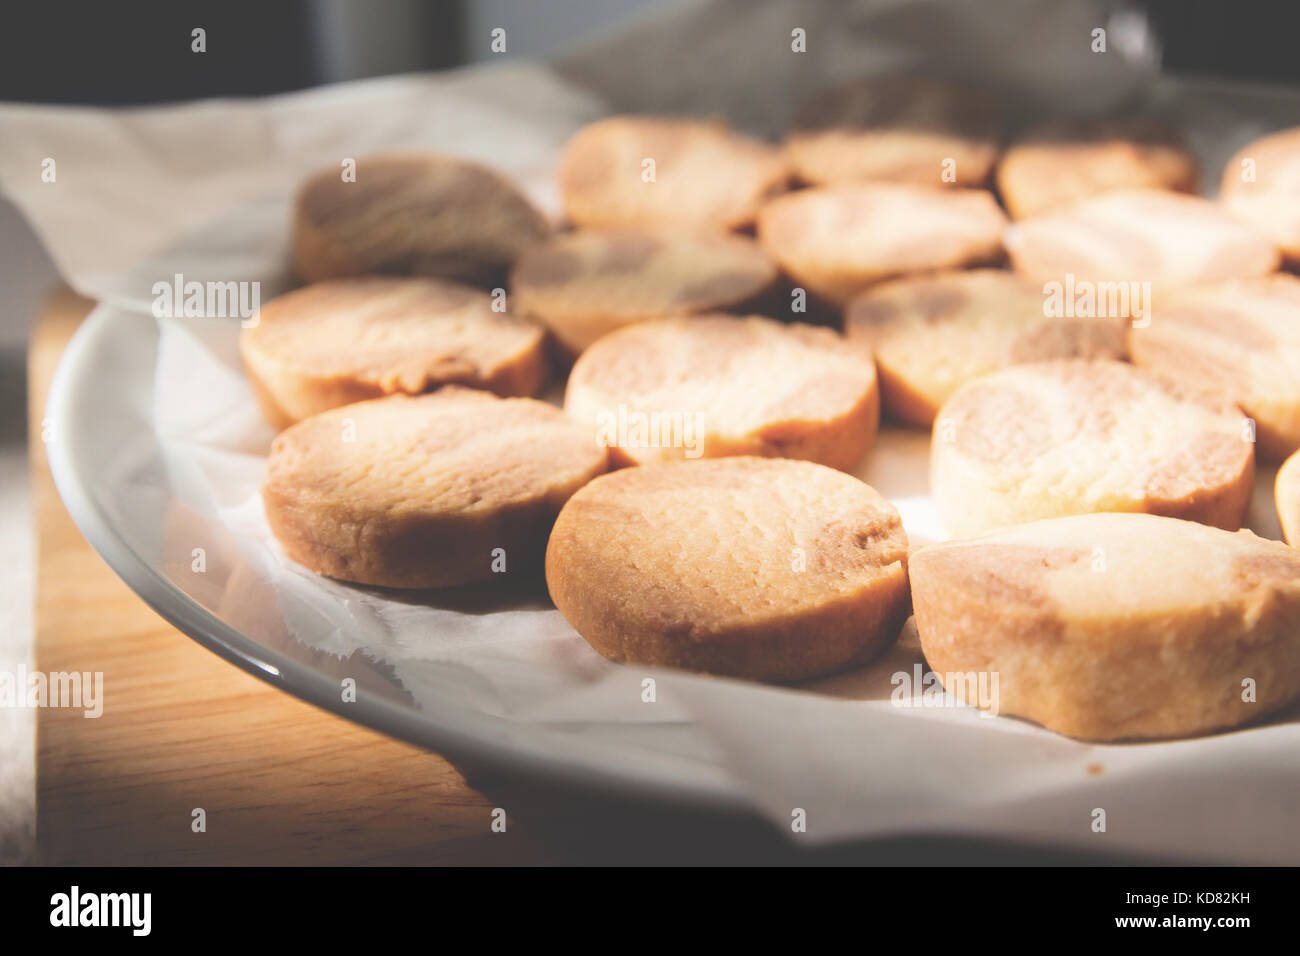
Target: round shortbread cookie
{"x":425,"y":491}
{"x":1114,"y":626}
{"x":764,"y":568}
{"x":1063,"y":162}
{"x":1286,"y":493}
{"x":653,"y":172}
{"x":718,"y":385}
{"x":412,"y":213}
{"x":1072,"y":436}
{"x":584,"y":284}
{"x":1143,"y":235}
{"x":905,"y":129}
{"x":346,"y":340}
{"x":1261,"y":184}
{"x":838,"y":240}
{"x":933,"y":333}
{"x":1239,"y":341}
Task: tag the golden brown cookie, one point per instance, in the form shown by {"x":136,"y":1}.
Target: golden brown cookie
{"x":584,"y":284}
{"x":425,"y":491}
{"x":412,"y":213}
{"x":764,"y":568}
{"x":346,"y":340}
{"x":1261,"y":184}
{"x":1145,"y":235}
{"x":717,"y":385}
{"x":904,"y":129}
{"x":1114,"y":626}
{"x":1072,"y":436}
{"x":838,"y":240}
{"x":1239,"y":341}
{"x":933,"y":333}
{"x":1287,"y":495}
{"x":661,"y":172}
{"x":1065,"y":161}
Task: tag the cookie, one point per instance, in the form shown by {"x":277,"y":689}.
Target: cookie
{"x":1287,"y":495}
{"x":660,"y":172}
{"x":412,"y":214}
{"x":1065,"y":161}
{"x":763,"y":568}
{"x":425,"y":491}
{"x":584,"y":284}
{"x":903,"y":129}
{"x":1237,"y":340}
{"x":718,"y":385}
{"x":1142,"y":235}
{"x":346,"y":340}
{"x":933,"y":333}
{"x":838,"y":240}
{"x":1114,"y":626}
{"x":1261,"y":184}
{"x":1072,"y":436}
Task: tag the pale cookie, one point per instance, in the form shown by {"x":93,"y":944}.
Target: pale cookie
{"x":660,"y":172}
{"x":764,"y":568}
{"x":412,"y":213}
{"x":903,"y":129}
{"x":584,"y":284}
{"x":346,"y":340}
{"x":1071,"y":436}
{"x":1261,"y":184}
{"x":718,"y":385}
{"x":933,"y":333}
{"x":1287,"y":495}
{"x":1136,"y":236}
{"x":425,"y":491}
{"x":1062,"y":162}
{"x":838,"y":240}
{"x":1239,"y":341}
{"x":1114,"y":626}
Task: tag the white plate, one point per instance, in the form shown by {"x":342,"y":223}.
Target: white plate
{"x":521,"y":692}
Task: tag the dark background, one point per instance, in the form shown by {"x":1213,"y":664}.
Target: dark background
{"x":139,"y":52}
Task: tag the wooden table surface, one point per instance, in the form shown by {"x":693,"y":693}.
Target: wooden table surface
{"x":282,"y":782}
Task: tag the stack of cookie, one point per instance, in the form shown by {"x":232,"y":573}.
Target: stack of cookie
{"x":1099,"y":354}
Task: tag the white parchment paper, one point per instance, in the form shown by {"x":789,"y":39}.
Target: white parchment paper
{"x":204,"y":190}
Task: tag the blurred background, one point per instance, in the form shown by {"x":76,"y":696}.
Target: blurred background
{"x":120,"y":55}
{"x":114,"y":55}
